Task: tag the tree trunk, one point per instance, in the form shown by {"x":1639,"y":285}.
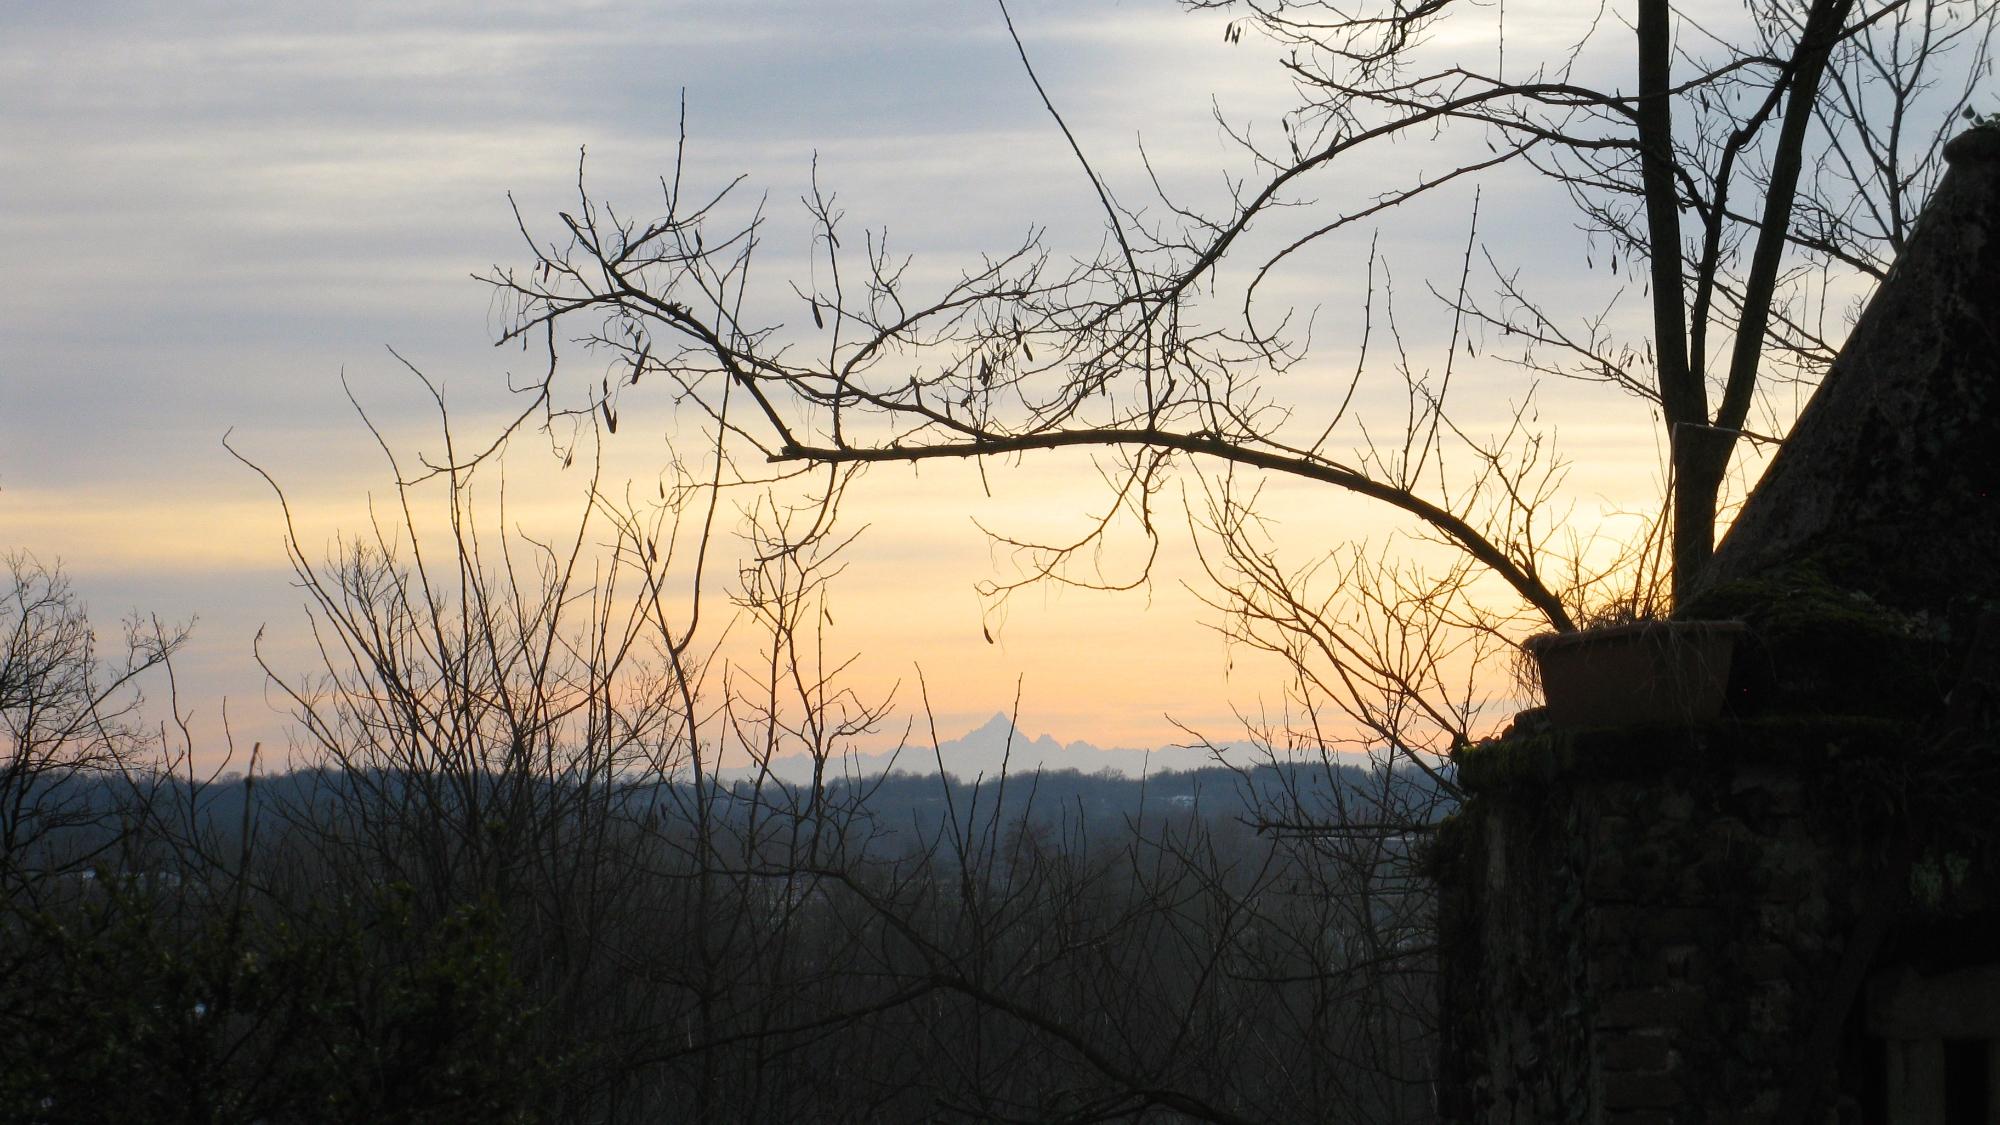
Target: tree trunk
{"x":1683,"y":398}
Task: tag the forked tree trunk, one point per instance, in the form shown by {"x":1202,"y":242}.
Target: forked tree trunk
{"x":1699,"y":447}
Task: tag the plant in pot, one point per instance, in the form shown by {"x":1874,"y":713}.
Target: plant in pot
{"x":1627,"y":666}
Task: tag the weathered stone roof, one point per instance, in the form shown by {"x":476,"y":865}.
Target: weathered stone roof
{"x":1890,"y":482}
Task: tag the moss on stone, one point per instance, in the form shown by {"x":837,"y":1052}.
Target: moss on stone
{"x":1567,"y":756}
{"x":1818,"y":646}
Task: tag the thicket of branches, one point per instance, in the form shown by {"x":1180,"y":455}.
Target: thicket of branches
{"x":525,"y":860}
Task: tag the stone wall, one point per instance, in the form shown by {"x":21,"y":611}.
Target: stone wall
{"x":1657,"y":926}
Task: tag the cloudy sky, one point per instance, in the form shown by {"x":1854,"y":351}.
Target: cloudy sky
{"x":213,"y":213}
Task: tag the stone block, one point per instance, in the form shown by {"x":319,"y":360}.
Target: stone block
{"x":1683,"y":962}
{"x":1664,"y":1008}
{"x":1764,"y":961}
{"x":1673,"y":806}
{"x":1802,"y":924}
{"x":1748,"y":1116}
{"x":1635,"y":965}
{"x":1609,"y":876}
{"x":1614,"y":970}
{"x":1640,"y":1091}
{"x":1642,"y":926}
{"x":1774,"y":793}
{"x":1770,"y":1007}
{"x":1641,"y":1117}
{"x":1645,"y":1053}
{"x":1962,"y":1004}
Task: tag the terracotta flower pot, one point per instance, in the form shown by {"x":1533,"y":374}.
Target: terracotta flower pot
{"x":1645,"y":672}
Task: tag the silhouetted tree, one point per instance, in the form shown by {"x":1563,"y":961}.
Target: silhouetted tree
{"x":1739,"y":177}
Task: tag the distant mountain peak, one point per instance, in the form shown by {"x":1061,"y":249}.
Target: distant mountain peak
{"x":997,"y":744}
{"x":999,"y":724}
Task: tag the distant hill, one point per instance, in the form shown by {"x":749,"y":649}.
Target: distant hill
{"x":982,"y":751}
{"x":894,"y":812}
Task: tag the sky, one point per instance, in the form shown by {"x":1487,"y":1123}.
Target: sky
{"x":218,"y":218}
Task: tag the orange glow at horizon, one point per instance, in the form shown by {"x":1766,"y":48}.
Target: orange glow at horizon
{"x":1137,"y":668}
